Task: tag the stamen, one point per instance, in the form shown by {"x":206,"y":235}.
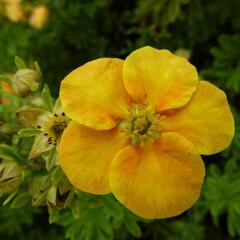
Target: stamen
{"x":54,"y":128}
{"x":142,"y":125}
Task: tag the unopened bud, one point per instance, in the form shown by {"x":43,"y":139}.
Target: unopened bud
{"x":25,"y":81}
{"x":38,"y":17}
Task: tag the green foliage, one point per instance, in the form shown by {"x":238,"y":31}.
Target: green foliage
{"x":97,"y":218}
{"x":222,"y":193}
{"x":226,"y":67}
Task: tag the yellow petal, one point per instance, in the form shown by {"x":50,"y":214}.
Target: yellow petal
{"x":85,"y":155}
{"x":94,"y":95}
{"x":159,"y":78}
{"x":206,"y":120}
{"x":162,"y":180}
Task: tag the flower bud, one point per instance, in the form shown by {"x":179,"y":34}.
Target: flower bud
{"x":14,"y":11}
{"x":38,"y":17}
{"x":25,"y":81}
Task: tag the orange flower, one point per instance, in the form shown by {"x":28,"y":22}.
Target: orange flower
{"x":7,"y":88}
{"x":138,"y":129}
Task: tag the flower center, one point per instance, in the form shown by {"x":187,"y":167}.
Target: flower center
{"x":142,"y":125}
{"x":54,"y":128}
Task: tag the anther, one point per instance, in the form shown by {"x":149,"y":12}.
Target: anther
{"x":45,"y":134}
{"x":55,"y":115}
{"x":63,"y":114}
{"x":39,"y":127}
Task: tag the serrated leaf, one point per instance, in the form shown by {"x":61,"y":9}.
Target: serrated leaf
{"x":113,"y":207}
{"x":103,"y":222}
{"x":133,"y":227}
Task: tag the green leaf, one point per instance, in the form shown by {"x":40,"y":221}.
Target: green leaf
{"x":173,"y":10}
{"x":10,"y":197}
{"x":47,"y":98}
{"x":113,"y":207}
{"x":21,"y":200}
{"x":10,"y":153}
{"x":57,"y":175}
{"x":38,"y":69}
{"x":51,"y":195}
{"x":51,"y":159}
{"x":53,"y":214}
{"x":133,"y":227}
{"x":19,"y":63}
{"x":216,"y":210}
{"x":28,"y":132}
{"x":233,"y":222}
{"x":6,"y":78}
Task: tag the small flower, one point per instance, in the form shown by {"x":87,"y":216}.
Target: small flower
{"x":38,"y":17}
{"x":26,"y":81}
{"x":49,"y":127}
{"x":14,"y":10}
{"x":138,"y":128}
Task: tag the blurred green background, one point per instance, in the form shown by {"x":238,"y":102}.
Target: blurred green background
{"x":77,"y":31}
